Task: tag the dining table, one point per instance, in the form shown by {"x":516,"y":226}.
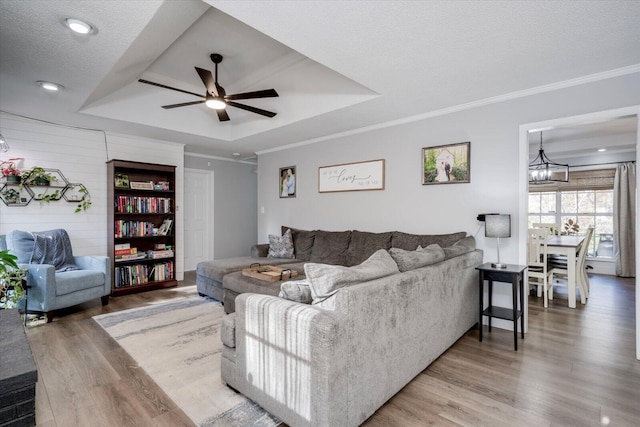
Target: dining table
{"x":567,"y":245}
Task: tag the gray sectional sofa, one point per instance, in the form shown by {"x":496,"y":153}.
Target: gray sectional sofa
{"x":336,"y":361}
{"x":347,"y":248}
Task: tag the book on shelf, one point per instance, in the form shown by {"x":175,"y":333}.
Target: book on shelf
{"x":128,"y":251}
{"x":130,"y":257}
{"x":165,"y":228}
{"x":167,"y":253}
{"x":122,"y":246}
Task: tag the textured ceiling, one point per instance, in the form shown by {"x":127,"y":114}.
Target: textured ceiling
{"x":338,"y":66}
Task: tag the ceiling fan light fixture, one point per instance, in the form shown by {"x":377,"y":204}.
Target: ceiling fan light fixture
{"x":216,"y":103}
{"x":49,"y":85}
{"x":78,"y":26}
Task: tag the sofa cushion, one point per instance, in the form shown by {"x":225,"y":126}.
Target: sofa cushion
{"x":219,"y":268}
{"x":302,"y":242}
{"x":281,"y":246}
{"x":410,"y":242}
{"x":330,"y":247}
{"x":76,"y":280}
{"x":410,"y":260}
{"x":228,"y":330}
{"x":20,"y":243}
{"x":363,"y":245}
{"x":462,"y":246}
{"x":325,"y":280}
{"x":296,"y":290}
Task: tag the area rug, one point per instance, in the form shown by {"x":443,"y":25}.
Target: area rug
{"x":178,"y":345}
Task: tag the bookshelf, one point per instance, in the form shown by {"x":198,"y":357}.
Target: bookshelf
{"x":141,"y":224}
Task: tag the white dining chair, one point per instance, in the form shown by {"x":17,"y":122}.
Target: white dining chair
{"x":554,"y":227}
{"x":538,"y":274}
{"x":559,"y":272}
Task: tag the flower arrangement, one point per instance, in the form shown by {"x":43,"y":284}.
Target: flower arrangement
{"x":10,"y":169}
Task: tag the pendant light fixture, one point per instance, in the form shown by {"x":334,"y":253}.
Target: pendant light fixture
{"x":544,"y":171}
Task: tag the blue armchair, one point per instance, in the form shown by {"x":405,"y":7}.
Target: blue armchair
{"x":63,"y":280}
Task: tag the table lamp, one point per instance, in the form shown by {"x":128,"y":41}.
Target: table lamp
{"x":497,"y":226}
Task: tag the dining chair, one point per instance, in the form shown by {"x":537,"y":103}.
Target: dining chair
{"x":538,"y":274}
{"x":559,"y":272}
{"x":554,"y":227}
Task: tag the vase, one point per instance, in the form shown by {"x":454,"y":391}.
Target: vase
{"x":14,"y":179}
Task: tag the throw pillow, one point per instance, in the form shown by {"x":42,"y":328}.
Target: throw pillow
{"x":363,"y":245}
{"x":409,"y":242}
{"x":302,"y":242}
{"x":330,"y":247}
{"x":410,"y":260}
{"x":296,"y":290}
{"x":462,"y":246}
{"x":280,"y":246}
{"x":325,"y":280}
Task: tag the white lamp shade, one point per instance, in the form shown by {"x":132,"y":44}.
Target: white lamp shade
{"x":497,"y":226}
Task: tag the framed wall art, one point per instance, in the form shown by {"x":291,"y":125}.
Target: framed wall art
{"x":446,"y":164}
{"x":287,"y":183}
{"x":360,"y":176}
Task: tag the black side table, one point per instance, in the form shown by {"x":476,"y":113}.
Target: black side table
{"x":513,"y":274}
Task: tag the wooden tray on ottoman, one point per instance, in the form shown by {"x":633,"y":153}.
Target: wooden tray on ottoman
{"x":269,"y":273}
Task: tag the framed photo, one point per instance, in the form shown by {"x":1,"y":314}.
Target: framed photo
{"x":287,"y":182}
{"x":121,"y":180}
{"x":446,"y":164}
{"x":360,"y":176}
{"x":136,"y":185}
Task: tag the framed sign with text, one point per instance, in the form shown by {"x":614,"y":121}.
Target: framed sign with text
{"x":358,"y":176}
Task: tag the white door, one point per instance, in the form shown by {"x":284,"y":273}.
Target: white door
{"x":198,"y":217}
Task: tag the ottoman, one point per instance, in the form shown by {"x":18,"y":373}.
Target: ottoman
{"x":236,"y":283}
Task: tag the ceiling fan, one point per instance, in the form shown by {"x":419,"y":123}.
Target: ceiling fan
{"x":216,"y":97}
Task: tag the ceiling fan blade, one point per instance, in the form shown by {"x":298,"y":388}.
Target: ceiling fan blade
{"x":268,"y":93}
{"x":252,"y":109}
{"x":184,"y":104}
{"x":222,"y":115}
{"x":221,"y":91}
{"x":169,"y":87}
{"x":207,"y":79}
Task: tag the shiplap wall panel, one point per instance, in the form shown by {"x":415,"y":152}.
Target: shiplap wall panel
{"x":81,"y":156}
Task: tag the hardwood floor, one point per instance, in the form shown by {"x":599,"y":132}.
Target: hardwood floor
{"x":575,"y":367}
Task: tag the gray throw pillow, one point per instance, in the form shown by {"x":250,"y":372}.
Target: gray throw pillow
{"x":325,"y":280}
{"x":296,"y":290}
{"x":410,"y":260}
{"x":330,"y":247}
{"x":302,"y":242}
{"x":280,"y":246}
{"x":462,"y":246}
{"x":409,"y":242}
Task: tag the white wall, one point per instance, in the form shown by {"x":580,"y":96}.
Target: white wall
{"x":234,"y":203}
{"x":81,"y":156}
{"x":407,"y":205}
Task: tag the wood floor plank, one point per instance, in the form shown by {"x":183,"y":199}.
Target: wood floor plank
{"x":575,"y":367}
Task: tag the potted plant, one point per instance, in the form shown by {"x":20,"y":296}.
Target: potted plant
{"x":10,"y":195}
{"x":37,"y":176}
{"x":12,"y":287}
{"x":85,"y":202}
{"x":10,"y":172}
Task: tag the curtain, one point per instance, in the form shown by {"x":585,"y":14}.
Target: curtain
{"x":624,"y":220}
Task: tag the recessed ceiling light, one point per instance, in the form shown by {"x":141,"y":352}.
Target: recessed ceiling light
{"x":78,"y":26}
{"x":236,"y":154}
{"x":49,"y":85}
{"x":602,"y":149}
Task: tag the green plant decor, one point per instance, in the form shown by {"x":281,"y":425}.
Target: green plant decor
{"x":11,"y":280}
{"x":570,"y":227}
{"x":46,"y":198}
{"x":10,"y":195}
{"x":85,"y":203}
{"x":37,"y":176}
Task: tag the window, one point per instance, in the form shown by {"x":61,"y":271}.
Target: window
{"x":591,"y":208}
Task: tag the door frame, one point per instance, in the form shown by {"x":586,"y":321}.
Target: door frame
{"x":209,"y":210}
{"x":523,"y":185}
